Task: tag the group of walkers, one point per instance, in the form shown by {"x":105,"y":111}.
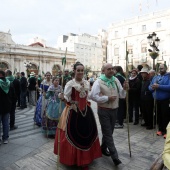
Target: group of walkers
{"x":63,"y":111}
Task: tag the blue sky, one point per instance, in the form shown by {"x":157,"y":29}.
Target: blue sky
{"x":48,"y":19}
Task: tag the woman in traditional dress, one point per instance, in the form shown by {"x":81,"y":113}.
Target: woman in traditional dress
{"x":41,"y":103}
{"x":77,"y":129}
{"x":53,"y":110}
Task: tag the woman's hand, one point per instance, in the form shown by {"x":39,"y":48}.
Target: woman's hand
{"x":61,"y":96}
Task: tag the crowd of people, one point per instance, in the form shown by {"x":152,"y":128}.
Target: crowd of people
{"x":63,"y":111}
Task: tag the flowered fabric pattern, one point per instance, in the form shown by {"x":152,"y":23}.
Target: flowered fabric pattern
{"x":53,"y":110}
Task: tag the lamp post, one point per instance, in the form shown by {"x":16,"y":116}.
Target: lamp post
{"x":154,"y":43}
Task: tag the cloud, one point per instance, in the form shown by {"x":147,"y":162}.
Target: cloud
{"x":50,"y":18}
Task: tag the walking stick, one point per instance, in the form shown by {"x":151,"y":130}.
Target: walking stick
{"x":60,"y":110}
{"x":155,"y":107}
{"x":127,"y":102}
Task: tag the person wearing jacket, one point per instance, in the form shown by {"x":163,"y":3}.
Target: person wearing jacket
{"x":121,"y":113}
{"x":147,"y":101}
{"x":32,"y":89}
{"x":134,"y":96}
{"x":14,"y":82}
{"x":6,"y":94}
{"x":23,"y":94}
{"x":160,"y":88}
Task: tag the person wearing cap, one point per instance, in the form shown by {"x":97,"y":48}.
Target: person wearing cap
{"x":147,"y":101}
{"x":134,"y":96}
{"x":32,"y":88}
{"x":160,"y":88}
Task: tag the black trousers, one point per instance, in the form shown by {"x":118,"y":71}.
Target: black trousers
{"x":18,"y":99}
{"x":163,"y":114}
{"x":134,"y":103}
{"x":121,"y":111}
{"x":147,"y":111}
{"x":12,"y":115}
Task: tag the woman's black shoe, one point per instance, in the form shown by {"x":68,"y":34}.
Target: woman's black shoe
{"x":136,"y":123}
{"x":144,"y":124}
{"x":117,"y":161}
{"x":149,"y":127}
{"x":105,"y":152}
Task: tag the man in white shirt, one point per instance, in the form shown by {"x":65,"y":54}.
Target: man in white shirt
{"x":106,"y":92}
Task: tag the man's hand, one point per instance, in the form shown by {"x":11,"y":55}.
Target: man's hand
{"x":112,"y":98}
{"x":155,"y":86}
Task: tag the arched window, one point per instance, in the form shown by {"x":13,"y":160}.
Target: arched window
{"x":3,"y":66}
{"x":33,"y":68}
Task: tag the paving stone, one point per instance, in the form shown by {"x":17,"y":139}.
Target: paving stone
{"x":22,"y":151}
{"x":8,"y":159}
{"x":5,"y":148}
{"x":33,"y":151}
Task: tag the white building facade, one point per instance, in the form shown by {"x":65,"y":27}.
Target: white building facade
{"x":42,"y":58}
{"x":87,"y":48}
{"x":135,"y":32}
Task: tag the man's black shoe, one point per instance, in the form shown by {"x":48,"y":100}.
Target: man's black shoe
{"x":149,"y":128}
{"x":14,"y":127}
{"x":25,"y":106}
{"x":144,"y":124}
{"x":117,"y":161}
{"x":105,"y":152}
{"x":21,"y":108}
{"x":136,"y":123}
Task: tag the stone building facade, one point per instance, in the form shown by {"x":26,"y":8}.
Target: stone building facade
{"x":135,"y":32}
{"x":88,"y":49}
{"x":35,"y":57}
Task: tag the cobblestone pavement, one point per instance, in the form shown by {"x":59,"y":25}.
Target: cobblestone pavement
{"x":29,"y":149}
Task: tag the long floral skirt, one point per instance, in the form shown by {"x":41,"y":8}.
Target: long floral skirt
{"x":79,"y":142}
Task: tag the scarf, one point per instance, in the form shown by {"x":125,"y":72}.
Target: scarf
{"x":67,"y":77}
{"x":10,"y":78}
{"x":132,"y":78}
{"x":4,"y":85}
{"x":109,"y":82}
{"x":118,"y":74}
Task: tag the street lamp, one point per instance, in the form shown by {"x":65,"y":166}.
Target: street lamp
{"x":154,"y":43}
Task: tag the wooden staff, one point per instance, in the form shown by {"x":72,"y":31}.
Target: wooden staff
{"x":60,"y":110}
{"x":127,"y":102}
{"x":155,"y":108}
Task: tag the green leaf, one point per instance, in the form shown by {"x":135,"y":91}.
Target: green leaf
{"x":64,"y":61}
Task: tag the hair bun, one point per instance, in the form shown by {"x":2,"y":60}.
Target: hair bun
{"x":77,"y":64}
